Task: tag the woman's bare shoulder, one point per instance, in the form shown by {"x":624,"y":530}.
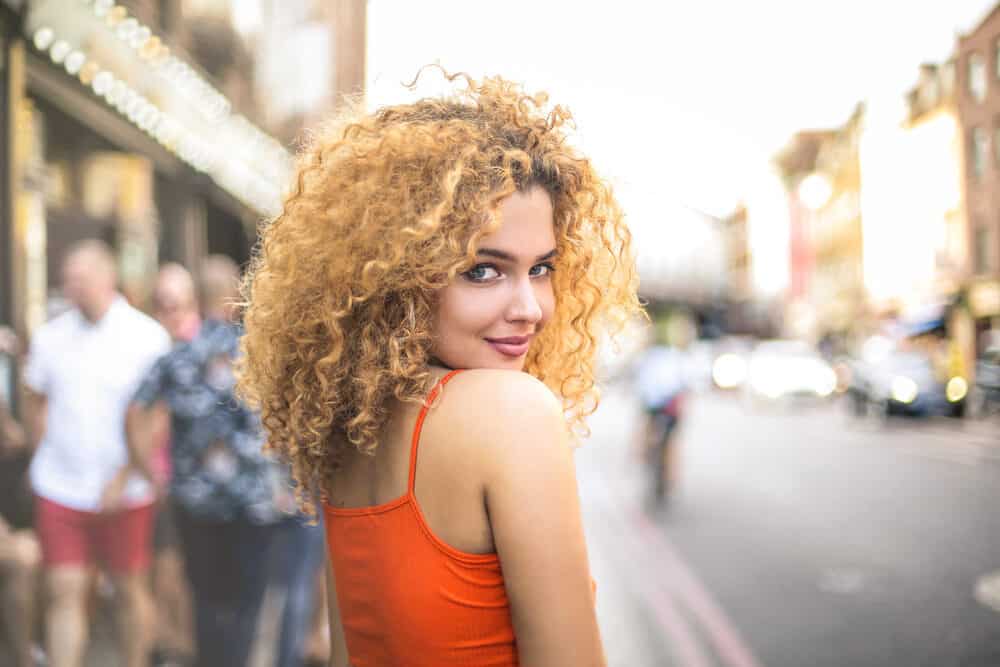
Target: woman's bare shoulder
{"x":496,"y":414}
{"x":493,"y":395}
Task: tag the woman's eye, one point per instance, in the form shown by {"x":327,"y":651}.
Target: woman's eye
{"x":482,"y":273}
{"x":542,"y":270}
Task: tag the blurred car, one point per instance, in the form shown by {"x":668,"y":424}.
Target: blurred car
{"x":780,"y":369}
{"x":729,"y":364}
{"x":904,"y":383}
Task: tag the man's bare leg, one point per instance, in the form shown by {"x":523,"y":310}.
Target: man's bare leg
{"x":19,"y":561}
{"x":174,"y":614}
{"x":134,"y":614}
{"x":65,"y":615}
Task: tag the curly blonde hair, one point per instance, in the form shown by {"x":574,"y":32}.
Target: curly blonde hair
{"x":386,"y":209}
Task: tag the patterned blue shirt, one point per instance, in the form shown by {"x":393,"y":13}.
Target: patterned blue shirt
{"x":220,"y":472}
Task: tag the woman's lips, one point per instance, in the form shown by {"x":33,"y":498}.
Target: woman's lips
{"x":512,"y":346}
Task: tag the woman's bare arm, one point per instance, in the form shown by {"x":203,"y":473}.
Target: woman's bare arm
{"x":534,"y":509}
{"x":338,"y":647}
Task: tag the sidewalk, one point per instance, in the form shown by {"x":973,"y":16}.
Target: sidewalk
{"x":630,"y":630}
{"x":102,"y":649}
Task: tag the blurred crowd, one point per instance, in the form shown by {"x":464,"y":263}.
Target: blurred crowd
{"x":136,"y":493}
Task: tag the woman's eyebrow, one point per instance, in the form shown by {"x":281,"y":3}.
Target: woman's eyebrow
{"x":506,"y":256}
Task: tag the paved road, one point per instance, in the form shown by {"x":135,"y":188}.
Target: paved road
{"x":798,"y":538}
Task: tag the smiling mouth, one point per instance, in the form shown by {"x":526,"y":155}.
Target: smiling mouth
{"x":511,"y":346}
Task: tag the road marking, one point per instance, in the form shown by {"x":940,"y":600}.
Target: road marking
{"x":962,"y":458}
{"x":988,"y":590}
{"x":933,"y":441}
{"x":842,"y":581}
{"x":639,"y":573}
{"x":721,"y":632}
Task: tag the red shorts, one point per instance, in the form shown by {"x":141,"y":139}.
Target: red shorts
{"x":120,"y":541}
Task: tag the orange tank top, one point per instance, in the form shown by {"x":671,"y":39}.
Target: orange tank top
{"x":406,"y":597}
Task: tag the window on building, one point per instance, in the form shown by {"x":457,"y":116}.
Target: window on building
{"x":977,"y":77}
{"x":996,"y":139}
{"x":948,"y":78}
{"x":979,"y":150}
{"x":929,"y":94}
{"x":981,"y":250}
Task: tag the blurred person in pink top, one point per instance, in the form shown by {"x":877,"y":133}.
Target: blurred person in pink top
{"x":175,"y":306}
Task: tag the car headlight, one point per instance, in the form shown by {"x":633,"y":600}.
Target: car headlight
{"x":904,"y":389}
{"x":826,"y":381}
{"x":729,"y":371}
{"x":766,"y":385}
{"x":956,"y":389}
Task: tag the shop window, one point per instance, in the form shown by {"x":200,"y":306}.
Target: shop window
{"x":948,"y":78}
{"x":929,"y":94}
{"x":981,"y":250}
{"x":977,"y":77}
{"x":978,"y":150}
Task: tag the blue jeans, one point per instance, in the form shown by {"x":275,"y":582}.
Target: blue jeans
{"x":298,"y":556}
{"x":227,"y":565}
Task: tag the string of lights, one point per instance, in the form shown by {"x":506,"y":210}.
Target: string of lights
{"x":163,"y":96}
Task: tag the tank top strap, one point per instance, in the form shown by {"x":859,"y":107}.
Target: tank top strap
{"x":415,"y":442}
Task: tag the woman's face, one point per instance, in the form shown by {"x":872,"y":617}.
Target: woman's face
{"x":488,"y":316}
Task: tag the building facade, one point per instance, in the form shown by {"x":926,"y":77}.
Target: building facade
{"x":138,"y":123}
{"x":837,"y":286}
{"x":296,"y":87}
{"x":977,"y":93}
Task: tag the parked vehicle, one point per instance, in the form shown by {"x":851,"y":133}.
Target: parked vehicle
{"x":779,"y":369}
{"x":903,"y":382}
{"x":729,"y":362}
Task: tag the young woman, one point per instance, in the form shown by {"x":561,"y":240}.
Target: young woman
{"x":421,"y":323}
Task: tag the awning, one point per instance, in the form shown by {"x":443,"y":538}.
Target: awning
{"x":122,"y":64}
{"x":923,"y":320}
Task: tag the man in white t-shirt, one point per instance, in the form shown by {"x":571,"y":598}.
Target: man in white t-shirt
{"x":91,"y":506}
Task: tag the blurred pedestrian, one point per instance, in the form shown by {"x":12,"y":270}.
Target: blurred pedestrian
{"x":663,"y":380}
{"x":222,"y":486}
{"x":436,"y":263}
{"x":175,"y":306}
{"x":92,"y":506}
{"x":316,"y":652}
{"x":20,"y":555}
{"x":297,"y":559}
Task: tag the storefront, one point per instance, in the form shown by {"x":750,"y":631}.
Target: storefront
{"x":111,"y":134}
{"x":984,"y":306}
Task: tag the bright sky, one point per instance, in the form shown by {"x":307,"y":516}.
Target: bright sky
{"x":681,"y":101}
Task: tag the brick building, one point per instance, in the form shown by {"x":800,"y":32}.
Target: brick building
{"x":978,"y":100}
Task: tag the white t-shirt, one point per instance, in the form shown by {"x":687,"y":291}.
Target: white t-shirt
{"x":89,"y":372}
{"x":662,"y":373}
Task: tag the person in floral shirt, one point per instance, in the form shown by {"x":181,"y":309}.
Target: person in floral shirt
{"x":225,"y":491}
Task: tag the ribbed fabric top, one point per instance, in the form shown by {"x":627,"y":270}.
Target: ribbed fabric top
{"x":406,"y":597}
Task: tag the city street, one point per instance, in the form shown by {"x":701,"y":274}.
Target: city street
{"x":797,"y":537}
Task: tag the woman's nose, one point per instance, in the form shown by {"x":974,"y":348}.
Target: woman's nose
{"x":524,"y":305}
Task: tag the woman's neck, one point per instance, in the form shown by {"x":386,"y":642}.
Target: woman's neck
{"x":435,"y":362}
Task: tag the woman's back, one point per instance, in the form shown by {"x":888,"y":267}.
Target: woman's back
{"x":448,"y":484}
{"x":416,"y":577}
